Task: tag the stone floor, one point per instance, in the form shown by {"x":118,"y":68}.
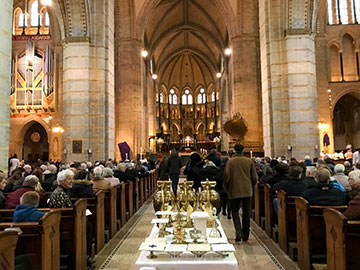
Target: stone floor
{"x":122,"y":252}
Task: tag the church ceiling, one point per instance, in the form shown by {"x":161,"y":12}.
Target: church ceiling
{"x":186,"y":39}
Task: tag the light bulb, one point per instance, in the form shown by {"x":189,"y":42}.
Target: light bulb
{"x":154,"y":76}
{"x":218,"y":75}
{"x":144,"y":53}
{"x":228,"y":51}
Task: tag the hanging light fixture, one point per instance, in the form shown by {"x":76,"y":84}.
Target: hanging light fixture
{"x":154,"y":76}
{"x":144,"y":53}
{"x":218,"y":75}
{"x":228,"y":51}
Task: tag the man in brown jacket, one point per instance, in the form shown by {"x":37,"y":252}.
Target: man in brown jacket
{"x":239,"y":178}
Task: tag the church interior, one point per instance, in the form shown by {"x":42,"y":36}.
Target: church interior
{"x":121,"y":84}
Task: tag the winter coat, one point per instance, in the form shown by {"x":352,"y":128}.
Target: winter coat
{"x":173,"y":163}
{"x":214,"y":158}
{"x":82,"y":189}
{"x":27,"y":213}
{"x":13,"y":198}
{"x":239,"y":177}
{"x":353,"y":210}
{"x":60,"y":198}
{"x":324,"y":194}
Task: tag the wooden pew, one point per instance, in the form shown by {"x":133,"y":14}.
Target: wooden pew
{"x":138,"y":195}
{"x":110,"y":210}
{"x":310,"y":232}
{"x":129,"y":199}
{"x":121,"y":204}
{"x":142,"y":192}
{"x":269,"y":211}
{"x":40,"y":238}
{"x":8,"y":242}
{"x":97,"y":207}
{"x":72,"y":231}
{"x":259,"y":203}
{"x":287,"y":223}
{"x":342,"y":241}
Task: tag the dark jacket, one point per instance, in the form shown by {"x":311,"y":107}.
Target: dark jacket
{"x":219,"y":179}
{"x":124,"y":176}
{"x":293,"y":186}
{"x":324,"y":194}
{"x":214,"y":158}
{"x":48,"y":182}
{"x":193,"y":173}
{"x":266,"y":178}
{"x":13,"y":199}
{"x":82,"y":189}
{"x":27,"y":213}
{"x":2,"y":199}
{"x":277,"y":178}
{"x":173,"y":163}
{"x":353,"y":210}
{"x":163,"y":174}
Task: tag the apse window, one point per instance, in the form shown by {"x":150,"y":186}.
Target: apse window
{"x":34,"y":15}
{"x":22,"y":20}
{"x":343,"y":11}
{"x":187,"y":98}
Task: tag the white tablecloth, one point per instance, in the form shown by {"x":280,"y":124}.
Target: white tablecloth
{"x":186,"y":261}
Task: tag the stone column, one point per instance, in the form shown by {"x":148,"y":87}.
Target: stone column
{"x":5,"y":78}
{"x":288,"y":79}
{"x":76,"y":98}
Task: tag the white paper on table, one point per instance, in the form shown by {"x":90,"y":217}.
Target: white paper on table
{"x":217,"y":240}
{"x":179,"y":248}
{"x":199,"y":247}
{"x":164,"y":213}
{"x":149,"y":246}
{"x":159,"y":220}
{"x":223,"y":247}
{"x":155,"y":240}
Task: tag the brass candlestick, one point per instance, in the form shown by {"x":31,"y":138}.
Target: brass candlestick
{"x":208,"y":199}
{"x":186,"y":200}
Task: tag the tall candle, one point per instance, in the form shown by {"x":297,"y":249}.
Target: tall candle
{"x":250,"y":154}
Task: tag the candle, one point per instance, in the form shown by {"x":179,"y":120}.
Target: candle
{"x":126,"y":155}
{"x":250,"y":154}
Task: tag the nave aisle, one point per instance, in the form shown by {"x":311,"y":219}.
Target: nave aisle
{"x":122,"y":252}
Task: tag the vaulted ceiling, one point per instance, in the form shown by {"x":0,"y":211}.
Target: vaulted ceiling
{"x":186,"y":41}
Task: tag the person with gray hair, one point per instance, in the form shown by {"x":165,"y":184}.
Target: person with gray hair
{"x":99,"y":184}
{"x":324,"y":192}
{"x":340,"y":176}
{"x":60,"y":197}
{"x":29,"y":184}
{"x":109,"y":176}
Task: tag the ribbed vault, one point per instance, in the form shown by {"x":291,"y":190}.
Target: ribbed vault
{"x":186,"y":39}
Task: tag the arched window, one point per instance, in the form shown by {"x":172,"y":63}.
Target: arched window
{"x":199,"y":99}
{"x":172,"y":97}
{"x":187,"y":98}
{"x":213,"y":96}
{"x":34,"y":14}
{"x":201,"y":96}
{"x":22,"y":20}
{"x":47,"y":19}
{"x":343,"y":11}
{"x":349,"y":59}
{"x":161,"y":98}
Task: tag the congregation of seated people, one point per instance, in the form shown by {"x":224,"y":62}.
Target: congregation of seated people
{"x":53,"y":185}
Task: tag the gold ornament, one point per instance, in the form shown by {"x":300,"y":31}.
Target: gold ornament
{"x":164,"y":199}
{"x":208,"y":199}
{"x":187,"y":200}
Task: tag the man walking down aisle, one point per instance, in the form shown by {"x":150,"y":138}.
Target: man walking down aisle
{"x":239,"y":178}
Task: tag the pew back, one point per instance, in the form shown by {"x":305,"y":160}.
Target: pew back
{"x":342,"y":241}
{"x":8,"y":242}
{"x":310,"y":227}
